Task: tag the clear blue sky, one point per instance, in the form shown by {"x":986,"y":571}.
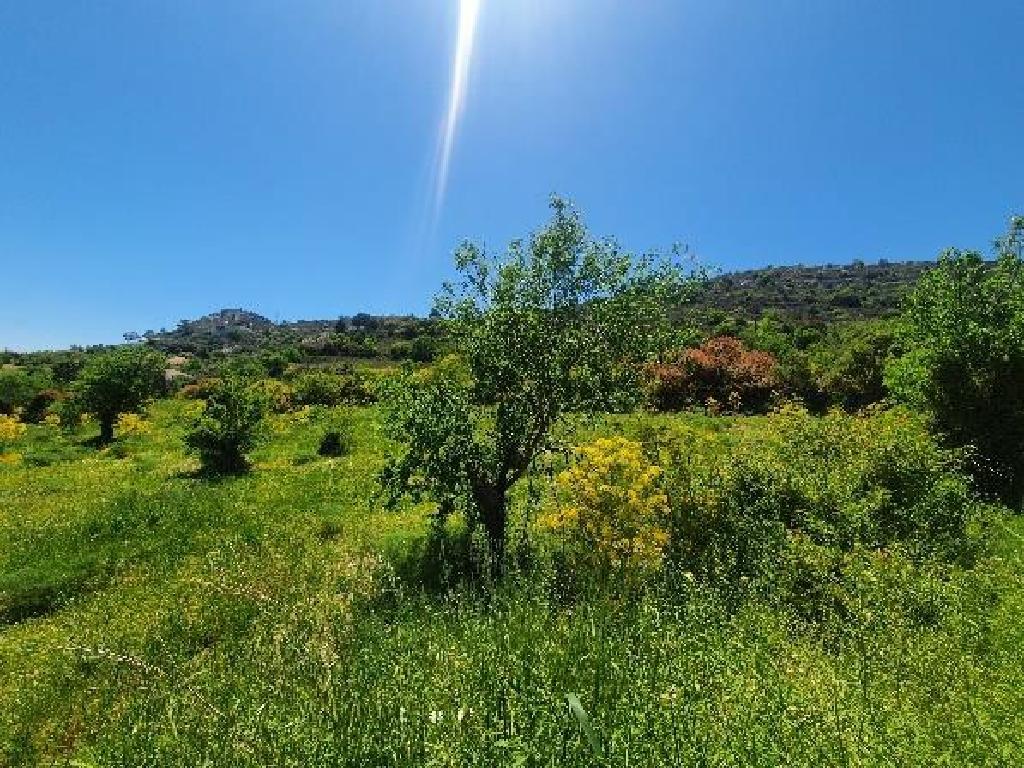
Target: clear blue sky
{"x":163,"y":159}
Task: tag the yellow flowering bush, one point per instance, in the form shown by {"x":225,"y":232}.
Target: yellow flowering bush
{"x":10,"y":430}
{"x":132,"y":424}
{"x":610,"y":503}
{"x":51,"y":420}
{"x":280,"y":397}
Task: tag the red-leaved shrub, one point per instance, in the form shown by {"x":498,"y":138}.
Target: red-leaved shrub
{"x":721,"y":370}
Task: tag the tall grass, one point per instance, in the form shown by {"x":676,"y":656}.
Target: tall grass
{"x":256,"y":621}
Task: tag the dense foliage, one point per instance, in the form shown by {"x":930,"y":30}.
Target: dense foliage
{"x":228,"y":427}
{"x":719,"y":374}
{"x":964,"y":333}
{"x":610,"y":508}
{"x":811,"y":294}
{"x":119,"y":381}
{"x":562,"y":322}
{"x":20,"y":386}
{"x":842,"y":484}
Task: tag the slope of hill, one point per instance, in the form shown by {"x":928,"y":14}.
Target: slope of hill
{"x":814,"y":293}
{"x":810,"y":294}
{"x":239,"y":330}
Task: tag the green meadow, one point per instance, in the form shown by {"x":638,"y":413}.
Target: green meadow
{"x":155,"y":616}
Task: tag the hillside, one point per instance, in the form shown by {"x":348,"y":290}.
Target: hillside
{"x":812,"y":294}
{"x":239,"y":330}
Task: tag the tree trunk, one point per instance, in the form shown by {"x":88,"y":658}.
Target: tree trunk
{"x":492,"y":504}
{"x":106,"y":429}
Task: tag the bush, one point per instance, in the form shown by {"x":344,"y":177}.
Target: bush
{"x":10,"y":430}
{"x":315,"y":387}
{"x":69,"y":413}
{"x":280,"y":397}
{"x":421,"y":349}
{"x":199,"y":389}
{"x":20,"y":386}
{"x":318,"y":387}
{"x":15,"y":389}
{"x":850,"y":364}
{"x":964,"y":335}
{"x":401,"y":350}
{"x":722,"y":370}
{"x":877,"y":482}
{"x":338,"y":440}
{"x":228,"y":428}
{"x":611,"y":509}
{"x":40,"y":405}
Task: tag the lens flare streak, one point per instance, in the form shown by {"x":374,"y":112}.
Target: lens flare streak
{"x":469,"y":12}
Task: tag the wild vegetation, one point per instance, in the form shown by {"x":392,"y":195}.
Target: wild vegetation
{"x":579,"y":532}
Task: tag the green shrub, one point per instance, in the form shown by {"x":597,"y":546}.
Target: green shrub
{"x":849,"y":363}
{"x":964,"y":335}
{"x":401,"y":350}
{"x":279,"y":397}
{"x":337,"y":437}
{"x":319,"y":387}
{"x":841,"y":482}
{"x":20,"y":386}
{"x":228,"y":428}
{"x":40,"y":404}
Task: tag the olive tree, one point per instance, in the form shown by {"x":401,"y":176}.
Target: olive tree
{"x":559,"y":323}
{"x":119,"y":381}
{"x":963,"y":331}
{"x":230,"y":425}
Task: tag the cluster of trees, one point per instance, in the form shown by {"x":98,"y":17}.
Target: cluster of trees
{"x":238,"y":332}
{"x":767,"y":362}
{"x":563,"y":322}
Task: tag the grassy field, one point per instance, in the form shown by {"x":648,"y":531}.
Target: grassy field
{"x":149,"y":616}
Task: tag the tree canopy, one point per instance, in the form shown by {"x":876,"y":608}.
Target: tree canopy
{"x":560,"y":322}
{"x":964,"y":332}
{"x":119,"y":381}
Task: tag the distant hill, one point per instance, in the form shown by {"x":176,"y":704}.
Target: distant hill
{"x":813,"y":294}
{"x":240,"y":330}
{"x":806,"y":294}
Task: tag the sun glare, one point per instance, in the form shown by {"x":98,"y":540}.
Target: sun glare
{"x":469,"y":12}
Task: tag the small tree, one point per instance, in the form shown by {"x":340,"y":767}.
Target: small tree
{"x":561,"y":323}
{"x":19,"y":386}
{"x":120,"y":381}
{"x":228,"y":428}
{"x":963,"y":330}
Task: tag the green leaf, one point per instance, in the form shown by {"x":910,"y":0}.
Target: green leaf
{"x":584,"y":721}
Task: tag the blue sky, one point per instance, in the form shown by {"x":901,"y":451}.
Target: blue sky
{"x":163,"y":159}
